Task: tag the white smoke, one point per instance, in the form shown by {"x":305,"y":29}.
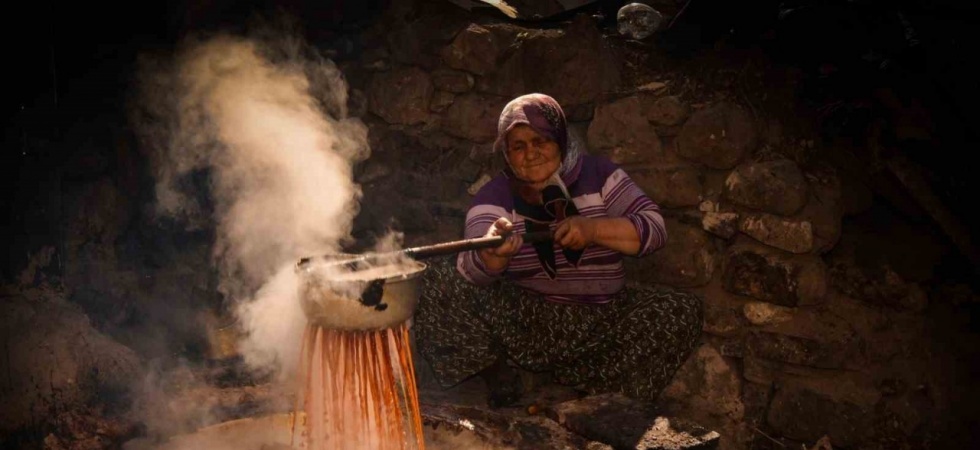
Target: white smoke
{"x":266,"y":121}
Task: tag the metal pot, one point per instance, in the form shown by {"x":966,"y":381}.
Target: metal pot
{"x":382,"y":303}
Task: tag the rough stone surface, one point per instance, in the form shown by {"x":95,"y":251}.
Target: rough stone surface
{"x":824,"y":209}
{"x":802,"y":414}
{"x":882,"y":287}
{"x":629,"y":424}
{"x":498,"y":430}
{"x":580,"y":68}
{"x":706,"y":382}
{"x":441,"y":100}
{"x":784,"y":234}
{"x":761,"y":313}
{"x":722,"y":317}
{"x":416,"y":40}
{"x":401,"y":96}
{"x":721,"y":224}
{"x":454,"y":81}
{"x":794,"y":350}
{"x":620,"y":130}
{"x":98,"y":214}
{"x":55,"y":360}
{"x":755,"y":401}
{"x":474,"y":117}
{"x":666,"y":111}
{"x":686,"y":261}
{"x":474,"y":50}
{"x":670,"y":186}
{"x":776,"y":187}
{"x":718,"y":137}
{"x":357,"y":103}
{"x":775,"y":278}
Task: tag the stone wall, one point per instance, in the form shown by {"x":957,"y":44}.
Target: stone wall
{"x":827,"y":314}
{"x":802,"y":340}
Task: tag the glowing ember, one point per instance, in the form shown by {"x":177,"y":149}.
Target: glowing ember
{"x":360,"y":390}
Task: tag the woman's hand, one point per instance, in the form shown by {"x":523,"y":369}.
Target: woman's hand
{"x":497,"y":258}
{"x":512,"y":244}
{"x":576,"y":232}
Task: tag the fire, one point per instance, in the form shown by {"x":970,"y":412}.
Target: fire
{"x":359,"y":390}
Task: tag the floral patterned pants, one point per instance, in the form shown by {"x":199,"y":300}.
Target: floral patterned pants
{"x":632,"y":345}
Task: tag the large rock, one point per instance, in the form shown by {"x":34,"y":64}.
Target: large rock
{"x":687,"y":260}
{"x":416,"y":41}
{"x":474,"y":50}
{"x":762,"y":313}
{"x":98,"y":218}
{"x":56,"y":362}
{"x":453,"y":81}
{"x":665,"y":111}
{"x":718,"y":137}
{"x":721,"y":224}
{"x":401,"y":96}
{"x":708,"y":383}
{"x":774,"y":277}
{"x":670,"y":186}
{"x":474,"y":117}
{"x":795,"y":350}
{"x":620,"y":130}
{"x":722,"y":315}
{"x":755,"y":402}
{"x":624,"y":423}
{"x":98,"y":214}
{"x":441,"y":100}
{"x":508,"y":78}
{"x":807,"y":415}
{"x":776,"y":187}
{"x":881,"y":286}
{"x":785,"y":234}
{"x":578,"y":66}
{"x":824,"y":209}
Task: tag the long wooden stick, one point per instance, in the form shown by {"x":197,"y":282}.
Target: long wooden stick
{"x":428,"y":251}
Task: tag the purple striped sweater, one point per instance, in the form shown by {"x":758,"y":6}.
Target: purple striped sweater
{"x":599,"y":188}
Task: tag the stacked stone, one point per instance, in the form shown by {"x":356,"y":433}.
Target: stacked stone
{"x":793,"y":350}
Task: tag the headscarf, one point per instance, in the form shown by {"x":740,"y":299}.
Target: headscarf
{"x":545,"y":116}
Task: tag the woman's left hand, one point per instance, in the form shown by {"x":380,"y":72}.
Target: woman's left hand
{"x":576,"y":232}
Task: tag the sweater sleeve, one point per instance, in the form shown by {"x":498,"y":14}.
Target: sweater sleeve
{"x":623,"y":198}
{"x":478,"y":220}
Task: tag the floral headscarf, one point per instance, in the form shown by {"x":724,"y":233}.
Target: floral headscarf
{"x":543,"y":114}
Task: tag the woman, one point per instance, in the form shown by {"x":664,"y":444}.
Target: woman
{"x":560,"y":306}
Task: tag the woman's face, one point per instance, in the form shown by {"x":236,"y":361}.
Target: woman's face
{"x":532,"y":157}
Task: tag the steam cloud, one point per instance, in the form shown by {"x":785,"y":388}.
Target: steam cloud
{"x":266,"y":120}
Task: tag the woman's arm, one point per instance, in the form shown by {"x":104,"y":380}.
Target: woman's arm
{"x":634,"y":225}
{"x":616,"y":233}
{"x":477,"y":266}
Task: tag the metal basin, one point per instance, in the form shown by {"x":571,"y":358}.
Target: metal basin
{"x":368,"y":303}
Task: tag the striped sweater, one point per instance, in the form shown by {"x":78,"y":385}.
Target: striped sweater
{"x":599,"y":189}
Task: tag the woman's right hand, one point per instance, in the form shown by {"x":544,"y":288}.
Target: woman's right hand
{"x":498,"y":257}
